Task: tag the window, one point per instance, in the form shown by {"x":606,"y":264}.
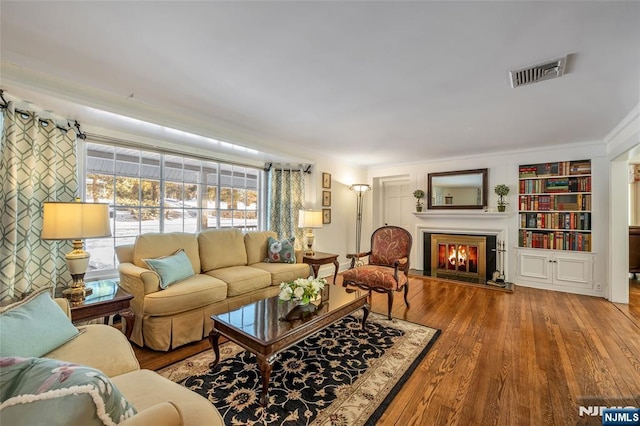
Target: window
{"x":155,"y":192}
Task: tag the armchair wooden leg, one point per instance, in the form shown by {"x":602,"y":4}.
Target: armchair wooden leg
{"x":406,"y":292}
{"x":390,"y":302}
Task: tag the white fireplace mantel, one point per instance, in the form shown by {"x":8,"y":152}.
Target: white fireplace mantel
{"x":461,"y":214}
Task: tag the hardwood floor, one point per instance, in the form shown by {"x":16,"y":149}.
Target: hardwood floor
{"x":531,"y":357}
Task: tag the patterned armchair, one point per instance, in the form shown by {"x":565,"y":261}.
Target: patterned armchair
{"x":388,"y":267}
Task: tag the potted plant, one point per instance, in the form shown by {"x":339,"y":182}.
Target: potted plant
{"x":419,"y":194}
{"x":502,"y":190}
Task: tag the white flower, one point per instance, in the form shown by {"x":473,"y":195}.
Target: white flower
{"x":285,"y":293}
{"x":302,"y":289}
{"x":298,"y":292}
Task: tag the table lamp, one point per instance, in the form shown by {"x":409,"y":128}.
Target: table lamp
{"x":75,"y":221}
{"x":309,"y":219}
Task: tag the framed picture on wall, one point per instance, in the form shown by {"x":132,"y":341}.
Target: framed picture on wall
{"x":326,"y":198}
{"x":326,"y":216}
{"x":326,"y":180}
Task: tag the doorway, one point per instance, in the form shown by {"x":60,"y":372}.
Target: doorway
{"x":397,"y":202}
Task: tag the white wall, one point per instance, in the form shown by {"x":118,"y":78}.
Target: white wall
{"x":503,"y":168}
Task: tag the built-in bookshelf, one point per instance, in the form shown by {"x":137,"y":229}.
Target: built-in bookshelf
{"x":555,"y":206}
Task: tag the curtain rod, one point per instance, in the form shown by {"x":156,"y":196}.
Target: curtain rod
{"x":79,"y":133}
{"x":305,"y":168}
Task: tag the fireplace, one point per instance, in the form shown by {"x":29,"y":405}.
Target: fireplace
{"x":461,"y":257}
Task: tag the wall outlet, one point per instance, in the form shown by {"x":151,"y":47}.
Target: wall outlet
{"x":599,"y":287}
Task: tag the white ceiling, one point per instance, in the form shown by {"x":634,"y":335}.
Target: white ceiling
{"x":372,"y":83}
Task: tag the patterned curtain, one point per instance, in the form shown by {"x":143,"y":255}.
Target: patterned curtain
{"x":286,"y":197}
{"x":37,"y":163}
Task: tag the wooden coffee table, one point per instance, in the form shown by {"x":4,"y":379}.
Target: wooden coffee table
{"x":261,"y":328}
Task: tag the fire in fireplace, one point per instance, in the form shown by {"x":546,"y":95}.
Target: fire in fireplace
{"x":458,"y":257}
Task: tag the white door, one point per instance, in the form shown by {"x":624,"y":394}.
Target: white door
{"x":397,"y":203}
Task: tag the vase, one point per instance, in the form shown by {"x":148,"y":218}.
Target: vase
{"x":303,"y":303}
{"x":502,"y":208}
{"x":419,"y":208}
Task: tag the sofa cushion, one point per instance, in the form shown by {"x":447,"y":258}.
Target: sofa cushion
{"x":256,"y":245}
{"x":34,"y":326}
{"x":220,"y":248}
{"x":284,"y":272}
{"x":51,"y":392}
{"x":172,"y":269}
{"x":280,"y":251}
{"x":242,"y":279}
{"x":192,"y":293}
{"x":155,"y":245}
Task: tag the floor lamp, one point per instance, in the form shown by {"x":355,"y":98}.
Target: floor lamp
{"x":359,"y":189}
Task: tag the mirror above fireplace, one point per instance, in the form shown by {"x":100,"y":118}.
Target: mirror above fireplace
{"x":463,"y":189}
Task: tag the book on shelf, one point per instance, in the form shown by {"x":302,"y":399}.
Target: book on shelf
{"x":558,"y":240}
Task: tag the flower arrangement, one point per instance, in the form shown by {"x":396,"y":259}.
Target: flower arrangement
{"x":501,"y":190}
{"x":419,"y":194}
{"x":302,"y":290}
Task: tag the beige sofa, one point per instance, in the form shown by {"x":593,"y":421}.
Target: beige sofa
{"x":229,"y":272}
{"x":157,"y":400}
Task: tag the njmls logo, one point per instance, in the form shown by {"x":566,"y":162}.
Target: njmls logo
{"x":613,"y":416}
{"x":597,"y":410}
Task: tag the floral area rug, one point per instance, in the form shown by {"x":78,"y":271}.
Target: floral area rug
{"x":338,"y":376}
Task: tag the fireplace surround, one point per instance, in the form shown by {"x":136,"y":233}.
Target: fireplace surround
{"x":459,"y":256}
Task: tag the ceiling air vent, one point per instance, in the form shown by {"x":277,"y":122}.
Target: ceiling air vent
{"x":539,"y":72}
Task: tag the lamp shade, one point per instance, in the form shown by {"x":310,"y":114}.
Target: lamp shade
{"x":360,"y":187}
{"x":309,"y":219}
{"x":75,"y":221}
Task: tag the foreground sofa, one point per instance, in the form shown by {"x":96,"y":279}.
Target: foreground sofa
{"x":229,"y":270}
{"x":158,"y":401}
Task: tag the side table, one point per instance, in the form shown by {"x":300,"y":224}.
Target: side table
{"x":318,"y":259}
{"x":106,"y":299}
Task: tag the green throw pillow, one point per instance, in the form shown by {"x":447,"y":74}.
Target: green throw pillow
{"x":34,"y":326}
{"x":280,"y":251}
{"x":171,"y":268}
{"x":42,"y":391}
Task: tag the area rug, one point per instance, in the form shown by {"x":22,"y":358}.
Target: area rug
{"x":338,"y":376}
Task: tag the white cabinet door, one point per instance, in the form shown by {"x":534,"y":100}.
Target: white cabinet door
{"x":573,"y":270}
{"x":535,"y":265}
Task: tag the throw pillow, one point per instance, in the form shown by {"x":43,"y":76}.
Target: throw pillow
{"x":34,"y":326}
{"x":281,"y":251}
{"x":171,"y":268}
{"x":46,"y":391}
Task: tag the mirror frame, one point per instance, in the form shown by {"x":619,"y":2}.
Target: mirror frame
{"x":485,"y":196}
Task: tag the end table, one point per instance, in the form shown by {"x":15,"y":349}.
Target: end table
{"x":106,"y":299}
{"x":318,"y":259}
